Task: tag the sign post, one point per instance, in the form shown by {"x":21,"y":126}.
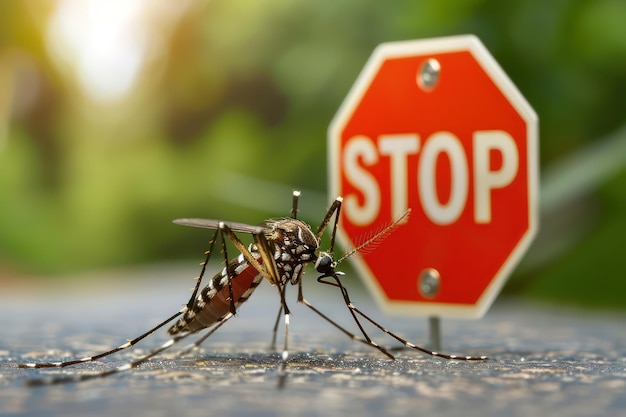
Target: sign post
{"x":436,"y":126}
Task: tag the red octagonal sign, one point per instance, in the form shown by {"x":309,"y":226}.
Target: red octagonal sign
{"x":437,"y":127}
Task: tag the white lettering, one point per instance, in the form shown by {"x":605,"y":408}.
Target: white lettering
{"x":398,"y":148}
{"x":485,"y":179}
{"x":437,"y":212}
{"x":361,"y":153}
{"x":361,"y":149}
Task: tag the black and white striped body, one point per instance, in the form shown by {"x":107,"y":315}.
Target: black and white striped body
{"x":293,"y":245}
{"x":213,"y":302}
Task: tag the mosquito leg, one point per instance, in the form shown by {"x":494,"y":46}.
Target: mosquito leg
{"x":335,"y":208}
{"x":134,"y":341}
{"x":192,"y":300}
{"x":346,"y":299}
{"x":346,"y":332}
{"x":126,"y":367}
{"x":294,"y":205}
{"x":275,"y":330}
{"x":351,"y":335}
{"x":269,"y":271}
{"x":103,"y":354}
{"x":229,"y":274}
{"x":282,"y":371}
{"x":406,"y":343}
{"x":286,"y":318}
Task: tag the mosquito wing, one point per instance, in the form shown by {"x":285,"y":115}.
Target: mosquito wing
{"x":214,"y":224}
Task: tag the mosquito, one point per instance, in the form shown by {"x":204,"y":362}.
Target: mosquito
{"x":279,"y":253}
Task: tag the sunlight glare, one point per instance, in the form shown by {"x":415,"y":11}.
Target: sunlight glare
{"x":106,"y":42}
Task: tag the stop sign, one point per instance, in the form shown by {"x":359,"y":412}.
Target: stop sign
{"x":437,"y":127}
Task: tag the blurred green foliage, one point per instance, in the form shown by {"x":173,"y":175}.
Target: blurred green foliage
{"x":241,"y":91}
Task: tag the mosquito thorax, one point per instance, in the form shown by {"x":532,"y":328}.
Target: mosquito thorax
{"x":294,"y":245}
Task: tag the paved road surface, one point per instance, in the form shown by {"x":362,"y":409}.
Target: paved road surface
{"x":544,"y":361}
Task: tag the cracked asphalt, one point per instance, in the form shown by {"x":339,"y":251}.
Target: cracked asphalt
{"x":544,"y":360}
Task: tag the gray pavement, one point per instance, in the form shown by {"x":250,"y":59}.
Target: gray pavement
{"x":544,"y":361}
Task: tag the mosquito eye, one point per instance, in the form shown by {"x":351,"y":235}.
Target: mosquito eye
{"x":324,"y":263}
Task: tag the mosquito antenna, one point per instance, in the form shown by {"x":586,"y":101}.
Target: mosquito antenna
{"x":378,"y":237}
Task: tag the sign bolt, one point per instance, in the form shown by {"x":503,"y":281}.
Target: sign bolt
{"x":428,"y":74}
{"x":429,"y":283}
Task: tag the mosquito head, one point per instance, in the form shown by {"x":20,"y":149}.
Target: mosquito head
{"x":325,"y":264}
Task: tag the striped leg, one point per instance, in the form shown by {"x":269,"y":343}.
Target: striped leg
{"x":335,"y":209}
{"x":282,"y":372}
{"x":268,"y":270}
{"x":192,"y":300}
{"x":351,"y":335}
{"x":132,"y":342}
{"x":354,"y":310}
{"x":126,"y":345}
{"x":275,"y":329}
{"x":294,"y":215}
{"x":126,"y":367}
{"x":229,"y":273}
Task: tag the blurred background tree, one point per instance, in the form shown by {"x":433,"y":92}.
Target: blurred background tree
{"x":118,"y":116}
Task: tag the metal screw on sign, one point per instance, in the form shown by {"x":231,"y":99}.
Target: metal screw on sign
{"x":429,"y":282}
{"x":428,"y":285}
{"x":428,"y":74}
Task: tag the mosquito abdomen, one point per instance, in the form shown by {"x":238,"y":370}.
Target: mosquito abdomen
{"x":213,"y":303}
